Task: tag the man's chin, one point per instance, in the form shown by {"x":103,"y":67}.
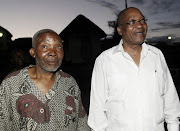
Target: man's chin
{"x":52,"y":69}
{"x":140,"y":42}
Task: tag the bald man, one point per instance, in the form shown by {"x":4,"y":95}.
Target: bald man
{"x":132,"y":88}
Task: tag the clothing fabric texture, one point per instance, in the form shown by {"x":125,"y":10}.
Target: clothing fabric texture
{"x":125,"y":97}
{"x":23,"y":107}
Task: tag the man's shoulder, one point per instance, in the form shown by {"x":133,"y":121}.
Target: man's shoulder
{"x":14,"y":79}
{"x":154,"y":49}
{"x":70,"y":83}
{"x":108,"y":52}
{"x":64,"y":74}
{"x":16,"y":74}
{"x":66,"y":77}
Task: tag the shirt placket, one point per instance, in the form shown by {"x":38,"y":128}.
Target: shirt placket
{"x":140,"y":92}
{"x":140,"y":102}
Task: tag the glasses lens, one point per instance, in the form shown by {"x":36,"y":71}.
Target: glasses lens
{"x":133,"y":22}
{"x":143,"y":21}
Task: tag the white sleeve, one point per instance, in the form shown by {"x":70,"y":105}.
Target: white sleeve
{"x":97,"y":119}
{"x":171,"y":100}
{"x":172,"y":105}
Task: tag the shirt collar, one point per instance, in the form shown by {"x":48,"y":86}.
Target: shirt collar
{"x":145,"y":48}
{"x":26,"y":73}
{"x":119,"y":47}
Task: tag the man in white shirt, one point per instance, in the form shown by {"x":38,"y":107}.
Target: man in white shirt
{"x":132,"y":88}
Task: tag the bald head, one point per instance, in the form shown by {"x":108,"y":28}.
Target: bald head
{"x":122,"y":15}
{"x":37,"y":34}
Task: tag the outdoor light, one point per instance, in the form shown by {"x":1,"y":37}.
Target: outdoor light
{"x":169,"y":37}
{"x":1,"y":34}
{"x":170,"y":40}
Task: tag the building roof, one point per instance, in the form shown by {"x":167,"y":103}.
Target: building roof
{"x":5,"y":32}
{"x":81,"y":24}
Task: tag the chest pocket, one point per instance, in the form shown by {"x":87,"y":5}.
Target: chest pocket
{"x":161,"y":80}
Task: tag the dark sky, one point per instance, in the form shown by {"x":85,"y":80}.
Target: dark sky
{"x":22,"y":18}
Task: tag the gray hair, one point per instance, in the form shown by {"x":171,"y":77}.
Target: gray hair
{"x":38,"y":33}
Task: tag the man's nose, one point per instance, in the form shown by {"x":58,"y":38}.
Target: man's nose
{"x":52,"y":52}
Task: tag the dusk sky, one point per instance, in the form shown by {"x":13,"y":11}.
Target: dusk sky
{"x":22,"y":18}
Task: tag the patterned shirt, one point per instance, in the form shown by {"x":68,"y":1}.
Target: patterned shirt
{"x":23,"y":107}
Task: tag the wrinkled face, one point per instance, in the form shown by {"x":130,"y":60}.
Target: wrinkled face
{"x":49,"y":52}
{"x":132,"y":34}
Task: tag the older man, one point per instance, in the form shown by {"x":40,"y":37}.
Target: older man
{"x":41,"y":97}
{"x":132,"y":88}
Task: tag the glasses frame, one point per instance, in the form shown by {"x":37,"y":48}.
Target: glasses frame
{"x":134,"y":22}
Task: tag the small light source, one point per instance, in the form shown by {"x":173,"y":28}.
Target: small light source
{"x":1,"y":34}
{"x":169,"y":37}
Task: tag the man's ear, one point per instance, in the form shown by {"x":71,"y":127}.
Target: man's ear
{"x":32,"y":52}
{"x":119,"y":30}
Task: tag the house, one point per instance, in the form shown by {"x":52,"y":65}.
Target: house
{"x":5,"y":41}
{"x":82,"y":40}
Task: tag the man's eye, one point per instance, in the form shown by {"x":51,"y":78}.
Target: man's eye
{"x":143,"y":21}
{"x":59,"y":47}
{"x":44,"y":46}
{"x":132,"y":22}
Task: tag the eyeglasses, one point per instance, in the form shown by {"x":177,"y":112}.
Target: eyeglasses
{"x":134,"y":22}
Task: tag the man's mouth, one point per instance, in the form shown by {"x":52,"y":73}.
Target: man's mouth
{"x":51,"y":62}
{"x":140,"y":32}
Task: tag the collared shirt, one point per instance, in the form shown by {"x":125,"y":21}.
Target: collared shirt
{"x":125,"y":97}
{"x":23,"y":107}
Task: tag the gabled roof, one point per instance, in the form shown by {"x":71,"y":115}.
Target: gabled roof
{"x":81,"y":24}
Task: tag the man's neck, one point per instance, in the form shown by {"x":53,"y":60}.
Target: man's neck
{"x":134,"y":51}
{"x":40,"y":74}
{"x":43,"y":80}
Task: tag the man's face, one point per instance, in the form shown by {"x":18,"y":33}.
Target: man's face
{"x":18,"y":58}
{"x":49,"y":52}
{"x":132,"y":34}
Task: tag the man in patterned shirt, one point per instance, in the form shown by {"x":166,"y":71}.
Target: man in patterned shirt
{"x":41,"y":97}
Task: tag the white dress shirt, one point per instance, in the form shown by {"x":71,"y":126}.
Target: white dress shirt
{"x":125,"y":97}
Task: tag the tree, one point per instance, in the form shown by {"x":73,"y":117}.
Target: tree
{"x":116,"y":37}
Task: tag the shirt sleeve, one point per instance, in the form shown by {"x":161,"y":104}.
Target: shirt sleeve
{"x":82,"y":118}
{"x":97,"y":119}
{"x":5,"y":117}
{"x":81,"y":113}
{"x":171,"y":100}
